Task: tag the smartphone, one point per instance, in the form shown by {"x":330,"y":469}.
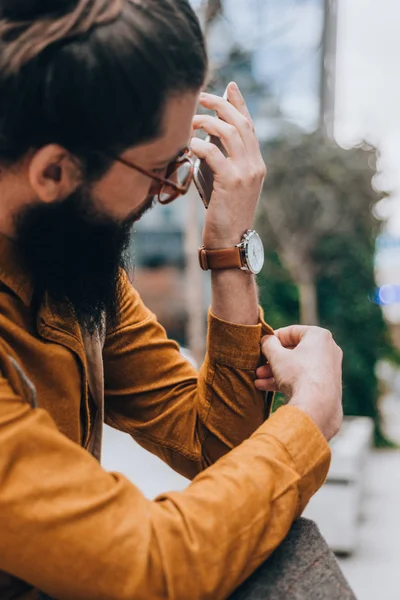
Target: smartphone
{"x":203,"y":175}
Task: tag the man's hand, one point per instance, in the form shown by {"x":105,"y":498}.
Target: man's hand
{"x":239,"y":177}
{"x":305,"y":364}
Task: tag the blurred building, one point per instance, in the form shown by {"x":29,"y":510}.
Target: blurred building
{"x":160,"y":254}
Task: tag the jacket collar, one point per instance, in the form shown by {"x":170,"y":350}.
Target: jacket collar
{"x":56,"y":326}
{"x":13,"y":274}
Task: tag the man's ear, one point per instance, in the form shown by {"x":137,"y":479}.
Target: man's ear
{"x":53,"y":173}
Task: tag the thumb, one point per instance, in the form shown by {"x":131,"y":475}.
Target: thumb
{"x":271,"y":347}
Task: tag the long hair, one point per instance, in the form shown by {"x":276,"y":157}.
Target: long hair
{"x":93,"y":75}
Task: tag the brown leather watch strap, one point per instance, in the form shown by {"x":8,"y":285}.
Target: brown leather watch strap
{"x":228,"y":258}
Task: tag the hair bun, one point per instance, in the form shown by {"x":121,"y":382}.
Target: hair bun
{"x":28,"y":10}
{"x":28,"y":27}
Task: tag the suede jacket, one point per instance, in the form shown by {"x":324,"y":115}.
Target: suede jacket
{"x":77,"y":532}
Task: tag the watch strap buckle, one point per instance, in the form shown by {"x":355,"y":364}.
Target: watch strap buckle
{"x":203,"y":259}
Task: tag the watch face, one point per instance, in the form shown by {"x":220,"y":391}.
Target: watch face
{"x":255,"y":253}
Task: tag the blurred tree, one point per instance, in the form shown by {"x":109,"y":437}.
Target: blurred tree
{"x":316,"y":216}
{"x":212,"y":10}
{"x":316,"y":189}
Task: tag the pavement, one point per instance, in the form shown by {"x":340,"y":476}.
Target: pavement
{"x":373,"y":570}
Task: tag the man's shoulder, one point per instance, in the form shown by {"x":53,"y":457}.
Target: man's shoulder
{"x":12,"y":318}
{"x":131,"y":303}
{"x":13,"y":310}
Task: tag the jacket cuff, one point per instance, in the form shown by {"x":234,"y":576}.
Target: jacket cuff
{"x":237,"y":346}
{"x":306,"y":445}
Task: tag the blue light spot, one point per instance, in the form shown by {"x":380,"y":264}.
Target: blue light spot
{"x":388,"y":294}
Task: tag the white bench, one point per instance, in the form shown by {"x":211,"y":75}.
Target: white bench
{"x":336,"y":508}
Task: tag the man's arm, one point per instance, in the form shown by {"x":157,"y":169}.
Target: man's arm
{"x":75,"y":531}
{"x":188,"y":419}
{"x":235,"y":297}
{"x":151,"y":392}
{"x":102,"y":539}
{"x":238,"y":180}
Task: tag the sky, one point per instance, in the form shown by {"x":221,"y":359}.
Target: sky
{"x":284,"y":37}
{"x":368,"y":88}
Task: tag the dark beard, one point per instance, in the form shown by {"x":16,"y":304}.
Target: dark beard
{"x":75,"y":254}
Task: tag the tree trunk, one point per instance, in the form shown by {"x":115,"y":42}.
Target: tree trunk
{"x":303,"y":273}
{"x":209,"y":12}
{"x":213,"y":10}
{"x":328,"y":68}
{"x":308,"y":302}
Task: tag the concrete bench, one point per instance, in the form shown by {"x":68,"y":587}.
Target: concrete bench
{"x":337,"y":507}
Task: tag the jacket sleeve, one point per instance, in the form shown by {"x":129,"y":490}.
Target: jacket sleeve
{"x":75,"y":531}
{"x":187,"y":418}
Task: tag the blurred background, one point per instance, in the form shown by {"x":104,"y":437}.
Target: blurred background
{"x":322,"y":83}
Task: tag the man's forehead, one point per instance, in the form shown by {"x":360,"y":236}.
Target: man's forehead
{"x":175,"y":134}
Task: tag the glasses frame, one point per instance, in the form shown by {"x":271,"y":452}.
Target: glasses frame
{"x":186,"y":157}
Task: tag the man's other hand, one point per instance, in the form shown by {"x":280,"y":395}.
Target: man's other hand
{"x":305,"y":364}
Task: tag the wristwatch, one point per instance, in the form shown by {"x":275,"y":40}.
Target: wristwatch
{"x":247,"y":256}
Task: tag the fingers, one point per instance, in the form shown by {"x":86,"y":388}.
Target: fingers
{"x":264,"y":372}
{"x":265,"y":381}
{"x":229,"y":113}
{"x":236,"y":99}
{"x":213,"y":155}
{"x":290,"y":337}
{"x":271,"y":347}
{"x":266,"y":385}
{"x":228,"y":134}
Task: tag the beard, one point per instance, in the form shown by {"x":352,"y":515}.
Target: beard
{"x":75,"y":255}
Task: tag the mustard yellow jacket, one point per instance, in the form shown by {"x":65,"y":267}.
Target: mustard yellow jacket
{"x":76,"y":532}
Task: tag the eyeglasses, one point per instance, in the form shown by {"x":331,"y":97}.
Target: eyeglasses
{"x":177,"y":180}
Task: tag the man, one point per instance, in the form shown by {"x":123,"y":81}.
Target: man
{"x":97,"y":99}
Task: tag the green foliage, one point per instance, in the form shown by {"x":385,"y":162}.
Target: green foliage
{"x":357,"y":323}
{"x":279,"y":295}
{"x":341,"y":259}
